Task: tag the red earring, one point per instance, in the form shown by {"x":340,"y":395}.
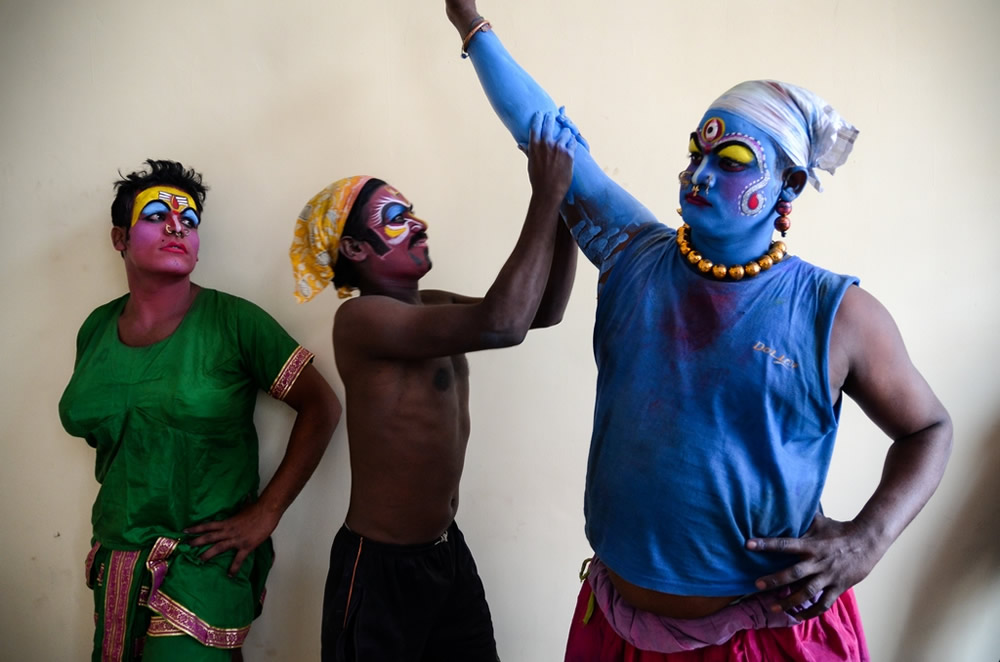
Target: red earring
{"x":781,"y":224}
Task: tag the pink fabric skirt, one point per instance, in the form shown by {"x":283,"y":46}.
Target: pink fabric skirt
{"x":834,"y":636}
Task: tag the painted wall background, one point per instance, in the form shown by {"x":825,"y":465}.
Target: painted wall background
{"x":272,"y":101}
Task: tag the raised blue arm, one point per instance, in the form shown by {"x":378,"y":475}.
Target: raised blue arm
{"x":601,"y":215}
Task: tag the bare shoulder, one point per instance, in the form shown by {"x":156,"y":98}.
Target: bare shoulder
{"x":862,"y":328}
{"x":359,"y":316}
{"x":880,"y":376}
{"x":863,"y":325}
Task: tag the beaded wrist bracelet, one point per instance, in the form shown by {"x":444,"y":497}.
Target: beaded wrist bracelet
{"x":481,"y":24}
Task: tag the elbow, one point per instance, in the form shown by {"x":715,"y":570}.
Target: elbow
{"x":936,"y":440}
{"x":504,"y":325}
{"x":517,"y":336}
{"x":506,"y":336}
{"x":947,"y":435}
{"x":505,"y":330}
{"x":942,"y":431}
{"x":544,"y":320}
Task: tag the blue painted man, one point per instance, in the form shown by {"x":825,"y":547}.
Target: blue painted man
{"x":722,"y":362}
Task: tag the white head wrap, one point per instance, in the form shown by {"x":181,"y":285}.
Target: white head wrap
{"x":806,"y":128}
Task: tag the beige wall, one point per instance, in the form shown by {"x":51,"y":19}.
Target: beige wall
{"x":274,"y":100}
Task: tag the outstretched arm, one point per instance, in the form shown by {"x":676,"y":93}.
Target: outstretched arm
{"x":881,"y":378}
{"x":382,"y":327}
{"x":317,"y":414}
{"x":601,"y":215}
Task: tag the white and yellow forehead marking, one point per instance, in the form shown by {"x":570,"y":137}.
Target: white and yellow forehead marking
{"x":176,"y":199}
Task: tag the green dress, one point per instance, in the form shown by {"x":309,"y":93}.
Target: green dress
{"x":172,"y":424}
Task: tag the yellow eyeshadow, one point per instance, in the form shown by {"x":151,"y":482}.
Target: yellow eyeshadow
{"x":737,"y":153}
{"x":392,"y":232}
{"x":693,"y":147}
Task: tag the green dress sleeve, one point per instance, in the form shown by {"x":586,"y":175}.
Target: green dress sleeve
{"x":272,"y":356}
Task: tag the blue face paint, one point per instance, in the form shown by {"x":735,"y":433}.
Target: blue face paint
{"x":190,"y":218}
{"x":154,"y":212}
{"x":158,"y":212}
{"x":730,"y":187}
{"x":392,"y":212}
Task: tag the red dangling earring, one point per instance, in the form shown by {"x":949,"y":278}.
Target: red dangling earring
{"x":781,"y":224}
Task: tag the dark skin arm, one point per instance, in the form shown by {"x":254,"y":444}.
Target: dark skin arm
{"x":557,"y":289}
{"x":560,"y":284}
{"x":867,"y":349}
{"x":318,"y":412}
{"x":384,"y":327}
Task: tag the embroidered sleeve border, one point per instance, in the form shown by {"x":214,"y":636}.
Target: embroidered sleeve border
{"x":293,"y":367}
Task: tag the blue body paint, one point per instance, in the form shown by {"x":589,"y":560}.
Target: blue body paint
{"x":726,"y":228}
{"x":601,"y":215}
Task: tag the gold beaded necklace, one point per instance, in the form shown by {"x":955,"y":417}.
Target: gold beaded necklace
{"x":776,"y":252}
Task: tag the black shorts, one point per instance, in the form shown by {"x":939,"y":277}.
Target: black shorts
{"x":395,"y":603}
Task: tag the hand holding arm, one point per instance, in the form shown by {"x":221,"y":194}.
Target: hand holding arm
{"x":386,"y":328}
{"x":602,"y":216}
{"x":318,"y":412}
{"x":881,"y":378}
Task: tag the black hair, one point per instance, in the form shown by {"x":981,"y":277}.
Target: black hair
{"x":167,"y":173}
{"x":345,"y":274}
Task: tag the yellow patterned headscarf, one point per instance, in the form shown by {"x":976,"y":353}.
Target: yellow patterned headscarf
{"x":317,"y":237}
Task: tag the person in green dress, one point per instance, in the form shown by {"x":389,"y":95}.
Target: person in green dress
{"x":164,"y":388}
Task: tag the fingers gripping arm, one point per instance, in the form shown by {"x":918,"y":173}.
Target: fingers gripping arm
{"x":601,"y":215}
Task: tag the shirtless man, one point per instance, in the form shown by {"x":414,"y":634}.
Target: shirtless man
{"x":722,"y":363}
{"x":402,"y":583}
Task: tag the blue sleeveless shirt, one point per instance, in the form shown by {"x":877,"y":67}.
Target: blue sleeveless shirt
{"x":713,"y":422}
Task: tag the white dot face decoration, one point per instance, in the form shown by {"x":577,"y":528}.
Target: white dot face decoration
{"x":753,"y":201}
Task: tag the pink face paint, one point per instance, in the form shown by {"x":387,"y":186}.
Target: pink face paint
{"x":390,"y":216}
{"x":164,"y":238}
